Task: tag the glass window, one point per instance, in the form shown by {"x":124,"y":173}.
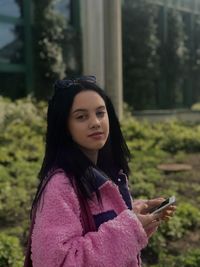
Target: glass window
{"x":198,"y":6}
{"x":11,"y":43}
{"x":186,"y":3}
{"x":63,"y":7}
{"x":72,"y":39}
{"x":11,"y":8}
{"x":12,"y":85}
{"x":170,"y":3}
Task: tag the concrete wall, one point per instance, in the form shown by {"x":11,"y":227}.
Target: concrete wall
{"x":163,"y":115}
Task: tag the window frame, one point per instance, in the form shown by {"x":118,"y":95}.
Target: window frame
{"x":27,"y":66}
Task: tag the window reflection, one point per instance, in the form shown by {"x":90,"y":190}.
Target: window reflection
{"x":186,"y":3}
{"x":71,"y":37}
{"x":10,"y":8}
{"x":11,"y":43}
{"x":13,"y":85}
{"x":63,"y":7}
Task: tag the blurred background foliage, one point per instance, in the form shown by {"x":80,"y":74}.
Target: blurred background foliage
{"x":22,"y":128}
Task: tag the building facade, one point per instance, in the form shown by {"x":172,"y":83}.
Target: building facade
{"x":100,"y":43}
{"x":96,"y":51}
{"x":15,"y":46}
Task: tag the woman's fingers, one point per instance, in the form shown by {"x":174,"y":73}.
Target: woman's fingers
{"x":152,"y":225}
{"x":150,"y":222}
{"x":139,"y":207}
{"x":154,"y":202}
{"x":166,"y":218}
{"x":147,"y":219}
{"x":145,"y":206}
{"x":168,"y":212}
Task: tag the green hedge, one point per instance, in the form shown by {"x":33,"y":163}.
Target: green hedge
{"x":10,"y":251}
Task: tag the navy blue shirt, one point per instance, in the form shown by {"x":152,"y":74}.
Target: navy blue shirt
{"x":121,"y":182}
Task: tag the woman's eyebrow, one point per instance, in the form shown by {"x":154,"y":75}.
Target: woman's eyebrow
{"x":101,"y":107}
{"x":79,"y":110}
{"x":85,"y":110}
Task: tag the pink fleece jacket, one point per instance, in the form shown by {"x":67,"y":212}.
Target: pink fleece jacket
{"x":58,"y":240}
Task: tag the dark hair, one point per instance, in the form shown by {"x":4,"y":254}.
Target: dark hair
{"x":62,"y":153}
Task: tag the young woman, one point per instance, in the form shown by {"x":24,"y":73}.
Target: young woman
{"x":83,"y":213}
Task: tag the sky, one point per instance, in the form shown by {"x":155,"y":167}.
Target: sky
{"x":8,"y":8}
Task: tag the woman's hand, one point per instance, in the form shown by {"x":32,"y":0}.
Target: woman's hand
{"x":166,"y":213}
{"x":146,"y":206}
{"x":150,"y":222}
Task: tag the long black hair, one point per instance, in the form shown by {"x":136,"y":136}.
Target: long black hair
{"x":61,"y":152}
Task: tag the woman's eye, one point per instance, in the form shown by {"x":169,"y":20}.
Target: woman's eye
{"x":81,"y":117}
{"x":100,"y":113}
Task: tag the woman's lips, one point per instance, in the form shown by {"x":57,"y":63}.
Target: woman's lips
{"x":96,"y":135}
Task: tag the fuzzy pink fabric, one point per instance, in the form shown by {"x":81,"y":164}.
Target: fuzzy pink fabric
{"x":57,"y":239}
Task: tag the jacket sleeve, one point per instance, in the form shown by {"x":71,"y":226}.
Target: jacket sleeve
{"x":57,"y":239}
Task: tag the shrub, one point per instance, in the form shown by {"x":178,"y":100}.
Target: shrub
{"x":10,"y":251}
{"x":187,"y":218}
{"x":190,"y":259}
{"x":22,"y":127}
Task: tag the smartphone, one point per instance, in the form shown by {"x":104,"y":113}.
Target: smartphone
{"x":169,"y":201}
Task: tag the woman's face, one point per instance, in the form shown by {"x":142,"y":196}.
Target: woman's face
{"x":88,"y":122}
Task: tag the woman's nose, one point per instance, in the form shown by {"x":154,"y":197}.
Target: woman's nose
{"x":94,"y":122}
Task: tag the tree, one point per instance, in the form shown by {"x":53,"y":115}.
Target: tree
{"x":48,"y":34}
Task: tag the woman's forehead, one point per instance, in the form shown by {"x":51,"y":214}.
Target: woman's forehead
{"x":87,"y":100}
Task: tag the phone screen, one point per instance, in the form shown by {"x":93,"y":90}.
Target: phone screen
{"x":161,"y":205}
{"x":169,"y":201}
